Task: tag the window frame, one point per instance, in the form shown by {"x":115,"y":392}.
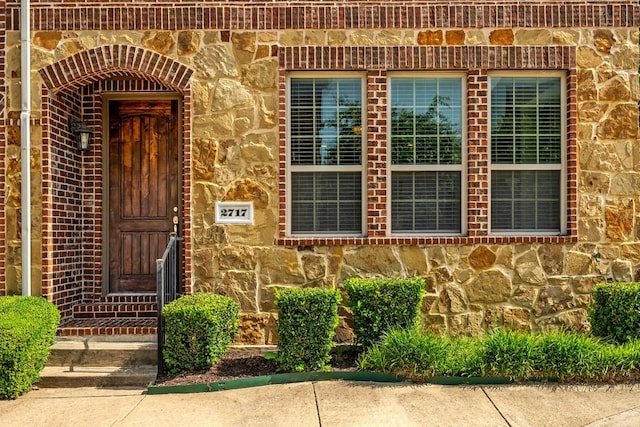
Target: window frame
{"x":561,"y":167}
{"x":462,"y":167}
{"x":362,"y":168}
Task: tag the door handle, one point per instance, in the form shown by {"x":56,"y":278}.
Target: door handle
{"x":176,"y":220}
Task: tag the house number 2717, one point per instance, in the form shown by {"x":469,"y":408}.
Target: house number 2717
{"x":230,"y":213}
{"x":234,"y":212}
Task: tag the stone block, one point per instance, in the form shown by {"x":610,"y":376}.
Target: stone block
{"x":188,"y":42}
{"x":482,"y":257}
{"x":280,"y":266}
{"x":553,"y":299}
{"x":551,"y":259}
{"x":414,"y":260}
{"x":159,"y":41}
{"x":620,"y":217}
{"x":314,"y":266}
{"x":525,"y":296}
{"x":467,"y":324}
{"x":257,"y":329}
{"x":47,"y":39}
{"x":377,"y":260}
{"x":261,"y":75}
{"x":573,"y":320}
{"x":504,"y":37}
{"x":578,"y":263}
{"x":454,"y":37}
{"x":492,"y":286}
{"x":622,"y":270}
{"x":532,"y":37}
{"x":452,"y":300}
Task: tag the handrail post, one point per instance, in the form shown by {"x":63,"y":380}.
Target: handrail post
{"x":167,"y":269}
{"x":160,"y":303}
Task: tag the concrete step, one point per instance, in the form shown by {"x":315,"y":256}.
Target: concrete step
{"x":101,"y":361}
{"x":86,"y":352}
{"x":104,"y":376}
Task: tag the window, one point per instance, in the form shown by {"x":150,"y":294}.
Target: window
{"x":426,"y":127}
{"x":527,"y":153}
{"x":325,"y":155}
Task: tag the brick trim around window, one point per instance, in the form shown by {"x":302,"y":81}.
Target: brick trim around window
{"x":476,"y":61}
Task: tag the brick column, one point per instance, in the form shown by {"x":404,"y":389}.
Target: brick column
{"x":376,"y":153}
{"x":478,"y":153}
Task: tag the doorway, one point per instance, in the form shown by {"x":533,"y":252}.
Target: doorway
{"x":143,"y":189}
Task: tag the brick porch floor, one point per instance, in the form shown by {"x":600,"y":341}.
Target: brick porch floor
{"x":107,"y":326}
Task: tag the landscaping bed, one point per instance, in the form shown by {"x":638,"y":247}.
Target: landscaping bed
{"x":394,"y":350}
{"x":238,"y":364}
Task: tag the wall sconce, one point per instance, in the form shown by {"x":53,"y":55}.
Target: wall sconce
{"x":81,"y":132}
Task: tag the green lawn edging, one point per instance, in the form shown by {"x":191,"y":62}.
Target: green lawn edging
{"x":288,"y":378}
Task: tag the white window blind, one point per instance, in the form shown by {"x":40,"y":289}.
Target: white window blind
{"x":325,"y":152}
{"x":426,"y":154}
{"x":527,"y":130}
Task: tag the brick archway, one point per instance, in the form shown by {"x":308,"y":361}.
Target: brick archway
{"x":73,"y":195}
{"x":107,"y":62}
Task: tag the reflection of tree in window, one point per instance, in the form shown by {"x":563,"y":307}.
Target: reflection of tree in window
{"x":341,"y":125}
{"x":325,"y":150}
{"x":325,"y":121}
{"x":427,"y":138}
{"x":426,"y":155}
{"x":525,"y":120}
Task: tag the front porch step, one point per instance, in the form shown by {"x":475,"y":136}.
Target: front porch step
{"x":96,"y":352}
{"x":104,"y":376}
{"x":115,"y":309}
{"x":101,"y":361}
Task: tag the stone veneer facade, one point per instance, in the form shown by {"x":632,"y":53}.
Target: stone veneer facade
{"x":228,"y":62}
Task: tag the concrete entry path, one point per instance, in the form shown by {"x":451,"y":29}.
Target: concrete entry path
{"x":328,"y":404}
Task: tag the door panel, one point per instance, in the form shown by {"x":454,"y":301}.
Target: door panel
{"x":143,"y":189}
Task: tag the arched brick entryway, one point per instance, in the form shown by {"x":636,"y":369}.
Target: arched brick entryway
{"x":73,"y":194}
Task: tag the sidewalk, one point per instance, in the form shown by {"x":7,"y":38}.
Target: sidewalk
{"x":332,"y":403}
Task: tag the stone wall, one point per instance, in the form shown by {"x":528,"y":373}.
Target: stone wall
{"x":470,"y":286}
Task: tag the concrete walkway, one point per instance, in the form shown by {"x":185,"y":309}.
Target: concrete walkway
{"x":331,"y":403}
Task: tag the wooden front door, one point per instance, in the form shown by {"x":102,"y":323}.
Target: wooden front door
{"x":143,"y":189}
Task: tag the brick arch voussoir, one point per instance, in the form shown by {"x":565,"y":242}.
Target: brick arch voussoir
{"x":111,"y":61}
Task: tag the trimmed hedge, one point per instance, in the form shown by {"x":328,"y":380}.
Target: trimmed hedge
{"x":615,"y":312}
{"x":199,"y":329}
{"x":27,"y":331}
{"x":380,"y":305}
{"x":307,"y":318}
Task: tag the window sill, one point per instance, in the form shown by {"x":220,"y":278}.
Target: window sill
{"x":413,"y":240}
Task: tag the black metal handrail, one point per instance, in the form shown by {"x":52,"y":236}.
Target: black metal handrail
{"x":167,"y":288}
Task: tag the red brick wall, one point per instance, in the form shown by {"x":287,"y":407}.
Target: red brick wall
{"x":3,"y":142}
{"x":62,"y":216}
{"x":238,"y":15}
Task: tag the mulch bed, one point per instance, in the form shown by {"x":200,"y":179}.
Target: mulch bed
{"x":237,"y":364}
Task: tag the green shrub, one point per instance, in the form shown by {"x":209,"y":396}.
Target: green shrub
{"x":381,"y":305}
{"x":199,"y":329}
{"x":27,"y":331}
{"x":568,"y":356}
{"x":615,"y":312}
{"x":417,"y":355}
{"x":621,"y":360}
{"x":307,"y":318}
{"x":510,"y":353}
{"x":563,"y":354}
